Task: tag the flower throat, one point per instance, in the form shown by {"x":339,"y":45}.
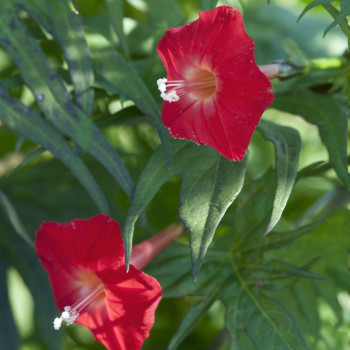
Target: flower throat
{"x":201,"y":83}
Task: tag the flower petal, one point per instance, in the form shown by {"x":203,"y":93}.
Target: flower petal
{"x":124,"y":319}
{"x":66,"y":250}
{"x":218,"y":43}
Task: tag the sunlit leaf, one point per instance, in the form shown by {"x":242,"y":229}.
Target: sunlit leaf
{"x":218,"y":179}
{"x":287,"y":145}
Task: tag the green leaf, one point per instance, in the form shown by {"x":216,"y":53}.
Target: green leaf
{"x":287,"y":145}
{"x":193,"y":316}
{"x":253,"y":213}
{"x":116,"y":76}
{"x":68,"y":32}
{"x":201,"y":211}
{"x":328,"y":116}
{"x":172,"y":268}
{"x":53,"y":98}
{"x":253,"y":318}
{"x":8,"y":331}
{"x":282,"y":269}
{"x":313,"y":4}
{"x":208,"y":4}
{"x":338,"y":20}
{"x":204,"y":199}
{"x":26,"y":262}
{"x":28,"y":123}
{"x":35,"y":154}
{"x":116,"y":14}
{"x":281,"y":239}
{"x":14,"y":219}
{"x":345,"y":8}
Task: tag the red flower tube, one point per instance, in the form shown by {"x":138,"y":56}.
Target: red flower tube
{"x":85,"y":263}
{"x":214,"y":92}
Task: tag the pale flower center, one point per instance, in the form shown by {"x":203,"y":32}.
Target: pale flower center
{"x":200,"y":83}
{"x":92,"y":290}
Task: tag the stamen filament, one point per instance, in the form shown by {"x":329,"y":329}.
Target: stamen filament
{"x":71,"y":313}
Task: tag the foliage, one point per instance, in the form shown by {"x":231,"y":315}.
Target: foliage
{"x":81,"y":133}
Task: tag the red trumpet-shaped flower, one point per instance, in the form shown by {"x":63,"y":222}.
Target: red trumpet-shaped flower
{"x":214,"y":92}
{"x":85,"y":263}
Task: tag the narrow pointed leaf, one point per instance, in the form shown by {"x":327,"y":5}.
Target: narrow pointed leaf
{"x":336,"y":21}
{"x":28,"y":123}
{"x":8,"y":331}
{"x":335,"y":13}
{"x":116,"y":15}
{"x":204,"y":200}
{"x":281,"y":239}
{"x":281,"y":268}
{"x":193,"y":316}
{"x":68,"y":32}
{"x":25,"y":261}
{"x":331,"y":120}
{"x":312,"y":5}
{"x":116,"y":76}
{"x":14,"y":219}
{"x":53,"y":97}
{"x":201,"y":211}
{"x":35,"y":154}
{"x":287,"y":144}
{"x":66,"y":27}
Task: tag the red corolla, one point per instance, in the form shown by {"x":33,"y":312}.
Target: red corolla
{"x":85,"y":263}
{"x":214,"y":92}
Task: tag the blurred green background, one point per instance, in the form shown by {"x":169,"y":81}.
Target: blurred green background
{"x":44,"y":189}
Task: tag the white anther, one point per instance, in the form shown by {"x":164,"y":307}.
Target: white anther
{"x":68,"y":315}
{"x":171,"y":95}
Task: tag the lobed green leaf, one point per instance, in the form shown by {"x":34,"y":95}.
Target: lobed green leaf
{"x":254,"y":319}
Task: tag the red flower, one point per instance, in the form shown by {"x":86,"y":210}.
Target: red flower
{"x":86,"y":267}
{"x":216,"y":93}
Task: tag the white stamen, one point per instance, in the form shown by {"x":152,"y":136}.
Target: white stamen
{"x":57,"y":323}
{"x":172,"y":95}
{"x":70,"y":314}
